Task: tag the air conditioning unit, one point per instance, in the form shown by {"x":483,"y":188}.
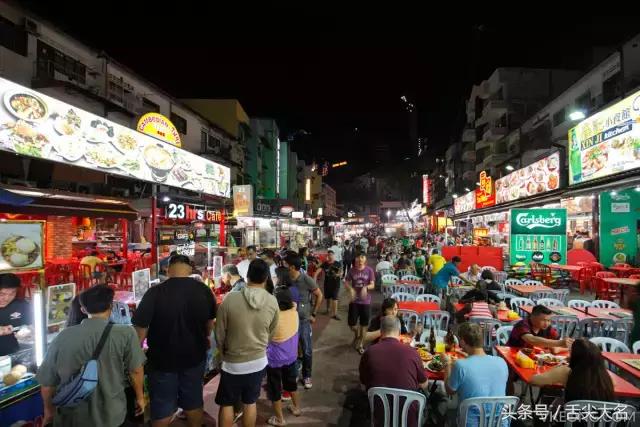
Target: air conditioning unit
{"x":31,"y":26}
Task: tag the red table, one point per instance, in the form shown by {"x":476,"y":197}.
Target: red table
{"x":418,"y":306}
{"x":560,"y":311}
{"x":621,"y":387}
{"x":525,"y":290}
{"x":617,"y":360}
{"x":502,"y":314}
{"x":605,"y":312}
{"x":409,"y":283}
{"x":570,"y":268}
{"x":621,"y":271}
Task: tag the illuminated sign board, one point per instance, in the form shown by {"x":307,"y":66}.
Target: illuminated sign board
{"x":339,"y":164}
{"x":38,"y":126}
{"x":537,"y":178}
{"x":160,"y":127}
{"x":243,"y":200}
{"x":606,"y":143}
{"x":192,"y":213}
{"x":485,"y":193}
{"x":426,"y":190}
{"x":465,"y":203}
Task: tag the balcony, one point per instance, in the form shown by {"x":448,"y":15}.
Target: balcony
{"x":483,"y":143}
{"x":494,"y":109}
{"x":468,"y":135}
{"x":469,"y":175}
{"x":495,"y":133}
{"x":469,"y":153}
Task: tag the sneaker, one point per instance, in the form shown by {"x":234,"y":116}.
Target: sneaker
{"x":286,"y":396}
{"x":307,"y":383}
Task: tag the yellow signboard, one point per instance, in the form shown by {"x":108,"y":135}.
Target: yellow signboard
{"x":160,"y":127}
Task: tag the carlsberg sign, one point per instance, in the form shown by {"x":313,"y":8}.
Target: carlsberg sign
{"x":538,"y":221}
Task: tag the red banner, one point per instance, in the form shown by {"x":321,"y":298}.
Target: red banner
{"x":485,"y":193}
{"x":426,"y":190}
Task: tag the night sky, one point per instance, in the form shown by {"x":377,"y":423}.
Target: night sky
{"x":328,"y":71}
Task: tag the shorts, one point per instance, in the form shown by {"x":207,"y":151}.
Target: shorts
{"x":97,"y":274}
{"x":359,"y":311}
{"x":331,"y":290}
{"x":234,"y":388}
{"x":171,"y":390}
{"x":282,"y":378}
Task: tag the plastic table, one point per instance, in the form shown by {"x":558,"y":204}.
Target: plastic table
{"x":502,"y":314}
{"x":418,"y":306}
{"x":525,"y":290}
{"x":617,"y":360}
{"x":559,"y":311}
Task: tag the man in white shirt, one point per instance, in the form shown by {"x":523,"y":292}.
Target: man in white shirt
{"x":384,"y":264}
{"x":364,"y":242}
{"x":243,"y":266}
{"x":337,"y":251}
{"x":268,"y":256}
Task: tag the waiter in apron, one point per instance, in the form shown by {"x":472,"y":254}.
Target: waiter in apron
{"x":15,"y":314}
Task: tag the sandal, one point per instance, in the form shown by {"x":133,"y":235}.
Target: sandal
{"x":274,"y":421}
{"x":360,"y":350}
{"x":296,"y":412}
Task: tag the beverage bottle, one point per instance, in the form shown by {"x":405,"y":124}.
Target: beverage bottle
{"x":541,"y":246}
{"x":555,"y":243}
{"x":528,"y":244}
{"x":548,"y":244}
{"x":575,"y":158}
{"x":535,"y":243}
{"x":432,"y":341}
{"x":520,"y":243}
{"x":449,"y":341}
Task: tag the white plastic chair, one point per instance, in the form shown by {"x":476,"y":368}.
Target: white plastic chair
{"x":578,"y":408}
{"x":532,"y":282}
{"x":403,"y":296}
{"x":550,"y":302}
{"x":567,"y":326}
{"x":439,"y":320}
{"x":636,"y":347}
{"x":409,"y":317}
{"x":600,"y":303}
{"x":411,"y":277}
{"x":402,"y":273}
{"x":578,"y":303}
{"x":393,"y":289}
{"x":489,"y":326}
{"x":500,"y":276}
{"x":456,"y":281}
{"x":424,"y":336}
{"x":491,"y":410}
{"x":512,"y":282}
{"x":389,"y":279}
{"x":592,"y":327}
{"x":518,"y":302}
{"x":429,"y":298}
{"x":490,"y":268}
{"x":610,"y":345}
{"x":622,"y":329}
{"x":535,"y":296}
{"x":394,"y":415}
{"x":562,"y":294}
{"x":414,"y":290}
{"x":503,"y":333}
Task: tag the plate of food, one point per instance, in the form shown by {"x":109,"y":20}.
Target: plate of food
{"x":126,"y":143}
{"x":130,"y":165}
{"x":159,"y":160}
{"x":424,"y":355}
{"x":26,"y":105}
{"x":70,"y":149}
{"x":551,"y":359}
{"x":67,"y":124}
{"x":100,"y":131}
{"x":19,"y":251}
{"x":435,"y":365}
{"x":103,"y":155}
{"x":27,"y":139}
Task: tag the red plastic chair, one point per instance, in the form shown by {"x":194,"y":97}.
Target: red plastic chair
{"x":622,"y":264}
{"x":85,"y":277}
{"x":582,"y":263}
{"x":585,"y":279}
{"x":634,"y":276}
{"x":604,"y":290}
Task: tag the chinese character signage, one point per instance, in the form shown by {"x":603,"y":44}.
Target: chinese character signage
{"x":537,"y":178}
{"x":464,"y":203}
{"x":538,"y":235}
{"x":36,"y":125}
{"x":485,"y":193}
{"x":619,"y":219}
{"x":426,"y":190}
{"x":606,"y":143}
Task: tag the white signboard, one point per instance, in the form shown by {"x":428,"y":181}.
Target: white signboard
{"x":59,"y":299}
{"x":141,"y":283}
{"x":36,"y":125}
{"x":21,"y":245}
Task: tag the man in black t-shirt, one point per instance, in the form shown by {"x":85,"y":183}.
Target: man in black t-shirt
{"x":332,"y":273}
{"x":15,"y":313}
{"x":176,"y":317}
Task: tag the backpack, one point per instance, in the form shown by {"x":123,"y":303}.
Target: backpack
{"x":81,"y":386}
{"x":120,"y":314}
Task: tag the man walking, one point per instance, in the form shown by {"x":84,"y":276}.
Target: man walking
{"x":243,"y":266}
{"x":176,"y":317}
{"x":332,"y":275}
{"x":337,"y":251}
{"x":74,"y":347}
{"x":306,"y":287}
{"x":348,"y":255}
{"x":246,"y":322}
{"x":360,"y":280}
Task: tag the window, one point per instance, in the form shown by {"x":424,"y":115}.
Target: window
{"x":150,"y":106}
{"x":559,"y":117}
{"x":583,"y":102}
{"x":13,"y":37}
{"x":179,"y":122}
{"x":612,"y":88}
{"x":204,"y":136}
{"x":50,"y":59}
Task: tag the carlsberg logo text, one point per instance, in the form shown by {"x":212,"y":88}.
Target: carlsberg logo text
{"x":539,"y":221}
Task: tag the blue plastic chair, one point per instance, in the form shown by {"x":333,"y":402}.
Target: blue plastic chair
{"x":490,"y":410}
{"x":394,"y":415}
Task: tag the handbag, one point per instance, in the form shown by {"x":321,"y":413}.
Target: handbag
{"x":81,"y":386}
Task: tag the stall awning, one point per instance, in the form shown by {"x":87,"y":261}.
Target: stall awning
{"x":49,"y":202}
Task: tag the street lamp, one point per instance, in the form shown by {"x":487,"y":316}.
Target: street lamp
{"x":455,"y":196}
{"x":388,"y":215}
{"x":466,"y":189}
{"x":509,"y":167}
{"x":577,"y":115}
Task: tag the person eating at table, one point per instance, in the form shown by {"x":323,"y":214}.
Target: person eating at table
{"x":15,"y":314}
{"x":484,"y":290}
{"x":472,"y":275}
{"x":478,"y":375}
{"x":406,"y":371}
{"x":536,"y":330}
{"x":389,"y":308}
{"x":93,"y":261}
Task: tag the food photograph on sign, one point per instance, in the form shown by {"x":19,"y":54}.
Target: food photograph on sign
{"x":606,"y":143}
{"x":141,"y":283}
{"x":21,"y":245}
{"x":39,"y":126}
{"x":59,"y":299}
{"x":537,"y":178}
{"x":465,"y":203}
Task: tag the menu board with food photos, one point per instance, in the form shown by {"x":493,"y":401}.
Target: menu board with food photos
{"x":21,"y":245}
{"x":36,"y":125}
{"x":537,"y":178}
{"x":59,"y":299}
{"x":465,"y":203}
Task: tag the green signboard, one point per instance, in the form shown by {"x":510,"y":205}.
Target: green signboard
{"x":538,"y":235}
{"x":619,"y":222}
